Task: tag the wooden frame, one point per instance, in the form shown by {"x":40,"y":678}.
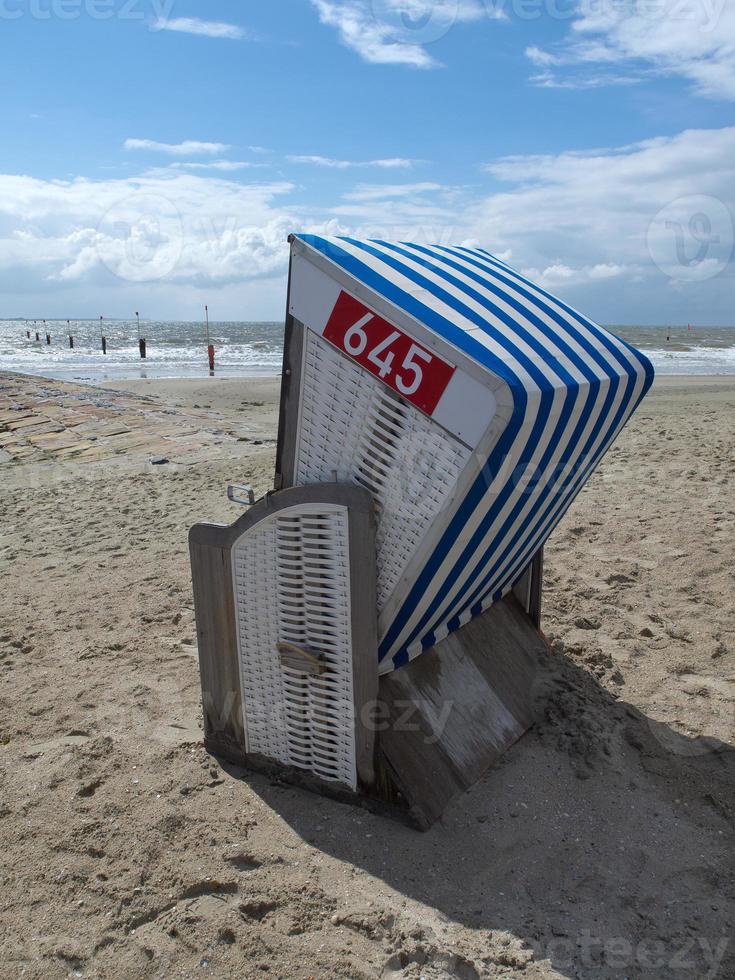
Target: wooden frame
{"x":452,"y":712}
{"x":288,"y":420}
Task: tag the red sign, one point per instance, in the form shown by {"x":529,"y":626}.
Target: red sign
{"x":391,"y":355}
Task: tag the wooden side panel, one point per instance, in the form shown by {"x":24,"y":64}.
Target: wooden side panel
{"x":210,"y":547}
{"x":218,"y":663}
{"x":529,"y":586}
{"x":363,"y":575}
{"x":453,"y":711}
{"x":537,"y":585}
{"x":288,"y":422}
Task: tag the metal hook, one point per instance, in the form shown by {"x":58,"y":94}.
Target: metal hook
{"x":241,"y":493}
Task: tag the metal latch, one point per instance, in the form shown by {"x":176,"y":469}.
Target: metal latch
{"x":299,"y":658}
{"x":241,"y":493}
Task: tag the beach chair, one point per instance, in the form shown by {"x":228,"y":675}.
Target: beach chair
{"x":469,"y":406}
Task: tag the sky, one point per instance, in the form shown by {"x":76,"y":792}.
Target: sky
{"x":157,"y":153}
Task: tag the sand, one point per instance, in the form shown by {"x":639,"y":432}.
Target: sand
{"x":601,"y":847}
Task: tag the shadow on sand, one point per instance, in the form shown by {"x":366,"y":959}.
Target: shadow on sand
{"x":602,"y":843}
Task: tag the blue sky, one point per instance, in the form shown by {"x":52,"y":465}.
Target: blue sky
{"x":158,"y":152}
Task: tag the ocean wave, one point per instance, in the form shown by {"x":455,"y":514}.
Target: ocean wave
{"x":179,"y":350}
{"x":695,"y":360}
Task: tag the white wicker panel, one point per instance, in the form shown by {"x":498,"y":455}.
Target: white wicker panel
{"x":353,"y":427}
{"x":292,"y":583}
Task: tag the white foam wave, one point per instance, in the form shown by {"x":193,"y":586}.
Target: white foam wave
{"x":696,"y":360}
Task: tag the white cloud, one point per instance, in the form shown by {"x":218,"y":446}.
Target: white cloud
{"x":578,"y":220}
{"x":225,"y":165}
{"x":551,"y":276}
{"x":592,"y":225}
{"x":318,"y":161}
{"x":204,"y":28}
{"x":550,"y":79}
{"x":606,"y":270}
{"x":188,"y":147}
{"x":175,"y":227}
{"x":692,"y":40}
{"x":379,"y":192}
{"x":539,"y":57}
{"x":395,"y":32}
{"x":559,"y":275}
{"x":424,"y":211}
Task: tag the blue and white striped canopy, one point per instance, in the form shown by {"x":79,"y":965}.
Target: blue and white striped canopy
{"x":574,"y":385}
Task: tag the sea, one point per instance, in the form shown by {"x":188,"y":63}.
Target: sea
{"x":178,"y":349}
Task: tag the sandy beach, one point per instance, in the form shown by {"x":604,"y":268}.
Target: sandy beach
{"x":601,"y":847}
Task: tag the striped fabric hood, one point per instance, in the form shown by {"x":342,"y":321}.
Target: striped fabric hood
{"x":562,"y":389}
